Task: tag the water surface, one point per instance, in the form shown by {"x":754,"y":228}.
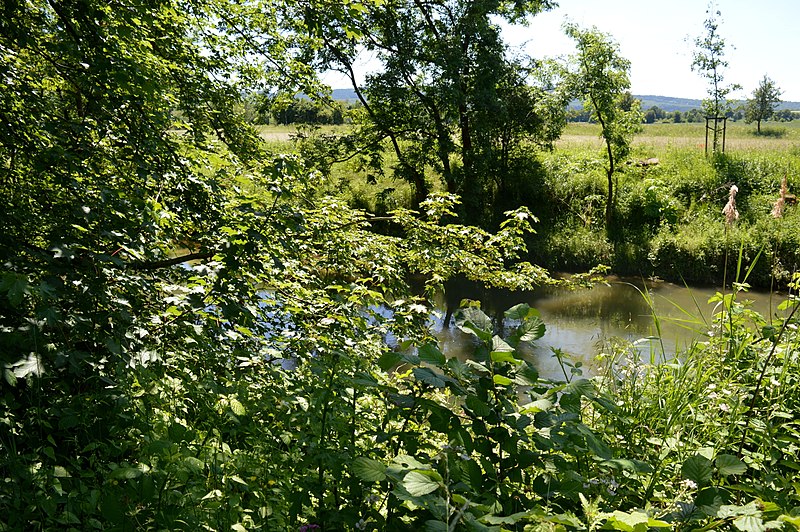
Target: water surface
{"x":582,"y":322}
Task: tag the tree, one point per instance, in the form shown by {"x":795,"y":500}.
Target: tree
{"x":186,"y":322}
{"x":446,"y":97}
{"x":599,"y":76}
{"x":762,"y":105}
{"x":709,"y":60}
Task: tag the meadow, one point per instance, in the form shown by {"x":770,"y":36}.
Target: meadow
{"x":668,"y":216}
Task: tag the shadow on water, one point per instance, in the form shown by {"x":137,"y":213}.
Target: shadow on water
{"x":581,"y":322}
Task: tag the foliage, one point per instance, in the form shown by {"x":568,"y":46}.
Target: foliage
{"x":194,"y":336}
{"x":762,"y":105}
{"x":447,"y":101}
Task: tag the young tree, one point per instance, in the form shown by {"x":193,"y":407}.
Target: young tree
{"x":762,"y":105}
{"x":599,"y":76}
{"x":709,"y":60}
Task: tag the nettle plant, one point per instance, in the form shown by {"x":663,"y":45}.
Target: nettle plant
{"x":460,"y":449}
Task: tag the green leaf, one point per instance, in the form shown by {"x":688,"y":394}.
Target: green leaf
{"x":126,"y":473}
{"x":531,"y":330}
{"x":502,"y":380}
{"x":637,"y":466}
{"x":30,"y":365}
{"x":368,"y":470}
{"x":730,"y":465}
{"x":697,"y":469}
{"x":409,"y":462}
{"x":194,"y":464}
{"x":60,"y":472}
{"x":418,"y":484}
{"x":504,"y":356}
{"x":521,"y":312}
{"x":472,"y":320}
{"x":435,"y":526}
{"x":389,"y":360}
{"x":500,"y":346}
{"x":478,"y":407}
{"x":237,"y":407}
{"x":16,"y":287}
{"x":750,"y":523}
{"x":583,"y":387}
{"x":429,"y":377}
{"x":430,"y":353}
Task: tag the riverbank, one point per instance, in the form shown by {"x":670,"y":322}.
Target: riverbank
{"x":668,"y":220}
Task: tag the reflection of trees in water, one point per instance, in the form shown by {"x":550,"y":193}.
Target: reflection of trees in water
{"x":619,"y":305}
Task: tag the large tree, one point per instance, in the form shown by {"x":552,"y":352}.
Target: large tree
{"x":598,"y":74}
{"x":186,"y":324}
{"x":762,"y":105}
{"x":446,"y":97}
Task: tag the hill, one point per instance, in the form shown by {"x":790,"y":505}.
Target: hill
{"x":667,"y":103}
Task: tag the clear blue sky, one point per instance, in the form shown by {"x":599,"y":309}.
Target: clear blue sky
{"x":763,"y":37}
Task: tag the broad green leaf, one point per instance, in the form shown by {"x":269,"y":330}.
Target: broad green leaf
{"x":368,"y":470}
{"x":500,"y":346}
{"x":16,"y":287}
{"x":521,"y":312}
{"x":389,"y":360}
{"x":697,"y":469}
{"x":583,"y":387}
{"x":193,"y":463}
{"x":418,"y":484}
{"x":478,"y":407}
{"x":504,"y":356}
{"x":430,"y":353}
{"x":435,"y":526}
{"x":502,"y":380}
{"x":730,"y":465}
{"x":429,"y":377}
{"x":409,"y":462}
{"x":630,"y":522}
{"x":30,"y":365}
{"x":540,"y":405}
{"x":60,"y":472}
{"x":628,"y":465}
{"x":531,"y":330}
{"x":472,"y":320}
{"x":237,"y":407}
{"x":750,"y":523}
{"x":127,"y":473}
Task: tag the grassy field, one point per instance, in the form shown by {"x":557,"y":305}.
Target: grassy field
{"x":668,"y":216}
{"x":739,"y":136}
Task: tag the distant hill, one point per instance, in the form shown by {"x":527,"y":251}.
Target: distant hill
{"x":686,"y":104}
{"x":666,"y":103}
{"x":345,"y":95}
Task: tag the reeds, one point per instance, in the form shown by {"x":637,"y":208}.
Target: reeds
{"x":730,"y":212}
{"x":777,"y":208}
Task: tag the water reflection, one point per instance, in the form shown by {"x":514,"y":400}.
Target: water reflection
{"x":581,"y":322}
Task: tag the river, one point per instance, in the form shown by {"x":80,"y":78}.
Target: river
{"x":581,"y":322}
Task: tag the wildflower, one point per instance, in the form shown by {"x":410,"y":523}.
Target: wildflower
{"x":730,"y":212}
{"x":690,"y":484}
{"x":724,"y":407}
{"x":361,"y":525}
{"x":777,"y":209}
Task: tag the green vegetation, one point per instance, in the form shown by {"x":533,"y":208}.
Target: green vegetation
{"x":199,"y":332}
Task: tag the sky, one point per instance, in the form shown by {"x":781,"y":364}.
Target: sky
{"x":657,"y":37}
